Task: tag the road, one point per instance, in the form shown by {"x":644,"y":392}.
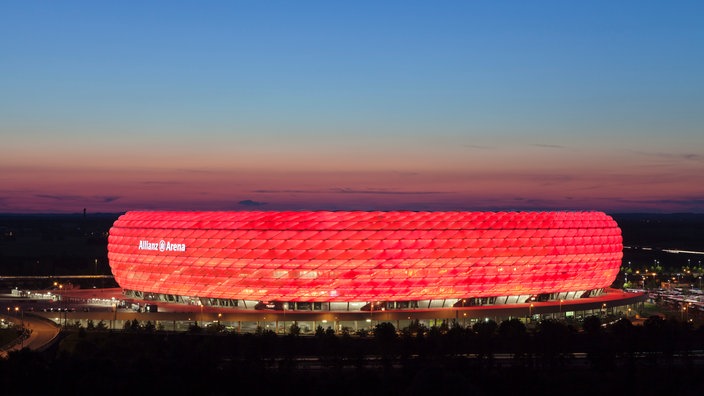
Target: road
{"x":42,"y":333}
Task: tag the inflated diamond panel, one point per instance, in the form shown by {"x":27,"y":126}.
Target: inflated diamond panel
{"x":363,"y":256}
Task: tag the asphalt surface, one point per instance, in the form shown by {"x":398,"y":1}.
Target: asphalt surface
{"x":39,"y":334}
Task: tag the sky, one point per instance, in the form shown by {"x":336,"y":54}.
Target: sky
{"x":365,"y":105}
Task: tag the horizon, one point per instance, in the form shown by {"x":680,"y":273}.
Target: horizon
{"x":88,"y":214}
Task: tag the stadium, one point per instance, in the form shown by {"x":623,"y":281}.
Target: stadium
{"x":352,"y":264}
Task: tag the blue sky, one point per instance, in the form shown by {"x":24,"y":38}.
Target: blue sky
{"x":370,"y":105}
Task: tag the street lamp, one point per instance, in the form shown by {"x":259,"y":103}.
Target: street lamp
{"x":114,"y":314}
{"x":530,"y":312}
{"x":21,"y":312}
{"x":17,"y":309}
{"x":201,"y":312}
{"x":283,"y":306}
{"x":371,"y":315}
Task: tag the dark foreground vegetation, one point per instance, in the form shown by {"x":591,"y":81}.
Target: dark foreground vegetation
{"x":663,"y":356}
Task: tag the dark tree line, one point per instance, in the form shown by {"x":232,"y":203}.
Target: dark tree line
{"x":482,"y":359}
{"x":485,"y":358}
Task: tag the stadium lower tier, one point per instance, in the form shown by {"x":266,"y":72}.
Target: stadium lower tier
{"x":609,"y":304}
{"x":351,"y":306}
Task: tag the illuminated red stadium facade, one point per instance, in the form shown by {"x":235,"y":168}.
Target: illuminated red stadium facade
{"x":340,"y":258}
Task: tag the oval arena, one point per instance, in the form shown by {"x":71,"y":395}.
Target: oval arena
{"x":354,"y":265}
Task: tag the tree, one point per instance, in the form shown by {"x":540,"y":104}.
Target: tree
{"x":625,"y":337}
{"x":319,"y":332}
{"x":294,"y":330}
{"x":444,"y":327}
{"x":486,"y":328}
{"x":598,"y":349}
{"x":512,"y":328}
{"x":592,"y":325}
{"x":363,"y":332}
{"x":552,"y":339}
{"x":385,"y":332}
{"x":415,"y":328}
{"x":485,"y":331}
{"x":345,"y":332}
{"x":101,"y":326}
{"x":514,"y":336}
{"x":127,"y":326}
{"x":329,"y":332}
{"x":149,"y":327}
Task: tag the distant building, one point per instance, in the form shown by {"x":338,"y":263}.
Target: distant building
{"x":357,"y":261}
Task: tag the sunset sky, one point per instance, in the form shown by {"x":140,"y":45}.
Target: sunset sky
{"x":267,"y":105}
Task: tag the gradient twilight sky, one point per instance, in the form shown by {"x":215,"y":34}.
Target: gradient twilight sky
{"x":466,"y":105}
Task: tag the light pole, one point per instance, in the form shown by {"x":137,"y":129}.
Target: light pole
{"x":530,"y":312}
{"x":18,"y":310}
{"x":201,"y":312}
{"x":371,"y":315}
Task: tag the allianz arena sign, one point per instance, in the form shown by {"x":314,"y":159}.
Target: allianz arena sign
{"x":162,"y":246}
